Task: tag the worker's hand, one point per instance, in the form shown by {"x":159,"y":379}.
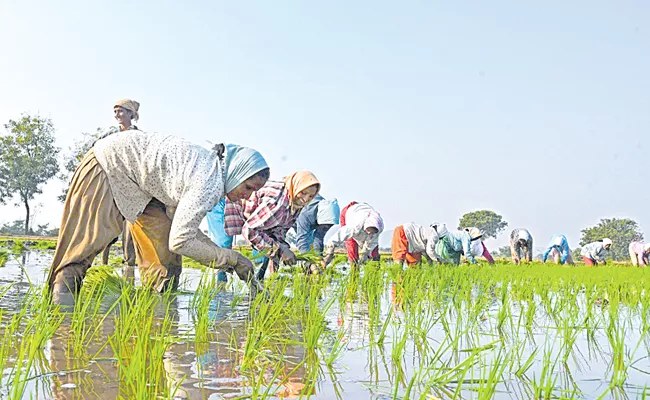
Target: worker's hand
{"x":329,"y":255}
{"x":516,"y":260}
{"x":287,"y":256}
{"x":244,"y":268}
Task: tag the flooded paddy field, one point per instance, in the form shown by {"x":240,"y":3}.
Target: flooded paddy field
{"x":473,"y":332}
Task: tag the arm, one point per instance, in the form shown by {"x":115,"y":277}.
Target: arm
{"x":319,"y":237}
{"x":546,"y":253}
{"x":564,"y":253}
{"x":430,"y":249}
{"x":186,"y":239}
{"x":368,"y":246}
{"x":529,"y":250}
{"x":467,"y":249}
{"x":304,"y":231}
{"x":487,"y":254}
{"x":265,"y":216}
{"x":514,"y":251}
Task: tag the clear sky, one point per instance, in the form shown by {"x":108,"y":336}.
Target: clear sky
{"x":426,"y":110}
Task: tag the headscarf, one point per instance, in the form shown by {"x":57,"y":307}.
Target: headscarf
{"x":373,"y":220}
{"x":475,"y":233}
{"x":241,"y":164}
{"x":130,"y":105}
{"x":328,"y":212}
{"x":606,"y":242}
{"x":299,"y":181}
{"x":441,"y":229}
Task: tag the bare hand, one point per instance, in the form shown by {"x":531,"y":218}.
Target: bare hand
{"x":288,"y":257}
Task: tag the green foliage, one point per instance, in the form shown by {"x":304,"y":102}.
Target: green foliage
{"x":17,"y":228}
{"x":77,"y":153}
{"x":489,"y":222}
{"x":4,"y":255}
{"x":28,"y":159}
{"x":502,"y":252}
{"x":621,"y":231}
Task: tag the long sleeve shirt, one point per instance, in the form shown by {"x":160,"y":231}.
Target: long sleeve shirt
{"x":306,"y":228}
{"x":263,"y":219}
{"x":595,"y":251}
{"x":638,"y":249}
{"x":516,"y":247}
{"x":461,"y":242}
{"x":355,"y":220}
{"x":421,"y":239}
{"x":562,"y":248}
{"x":188,"y":179}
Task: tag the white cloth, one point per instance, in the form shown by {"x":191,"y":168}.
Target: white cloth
{"x":141,"y":166}
{"x":594,"y":250}
{"x":421,"y":239}
{"x":477,"y":248}
{"x":355,"y":219}
{"x":523,"y":234}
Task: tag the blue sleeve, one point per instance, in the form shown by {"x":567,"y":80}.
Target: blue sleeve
{"x":216,"y":230}
{"x":546,"y":253}
{"x":304,"y":230}
{"x":319,"y":238}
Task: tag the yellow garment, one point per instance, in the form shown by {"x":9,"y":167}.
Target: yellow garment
{"x":130,"y":105}
{"x":299,"y":181}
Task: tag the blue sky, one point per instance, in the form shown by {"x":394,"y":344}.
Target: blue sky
{"x":426,"y":110}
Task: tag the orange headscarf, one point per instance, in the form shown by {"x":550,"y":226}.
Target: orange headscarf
{"x":299,"y":181}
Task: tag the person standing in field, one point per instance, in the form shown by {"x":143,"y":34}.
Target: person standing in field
{"x":478,"y":247}
{"x":455,"y":244}
{"x":164,"y":186}
{"x":639,"y":252}
{"x":314,"y":221}
{"x":125,"y":111}
{"x":411,"y":241}
{"x":595,"y":252}
{"x":264,"y":218}
{"x":361,"y":226}
{"x":521,"y":245}
{"x":561,"y":246}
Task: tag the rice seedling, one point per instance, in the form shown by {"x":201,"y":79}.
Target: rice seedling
{"x":4,"y":256}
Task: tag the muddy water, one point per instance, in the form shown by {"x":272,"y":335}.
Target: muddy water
{"x":210,"y":369}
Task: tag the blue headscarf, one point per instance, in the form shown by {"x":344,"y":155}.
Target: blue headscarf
{"x":241,"y":164}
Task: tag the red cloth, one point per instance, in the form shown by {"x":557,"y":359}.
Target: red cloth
{"x":487,"y":254}
{"x":351,"y":245}
{"x":344,"y":211}
{"x":588,"y":261}
{"x":400,"y":248}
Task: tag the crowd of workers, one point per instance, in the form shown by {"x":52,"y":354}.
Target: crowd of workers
{"x":157,"y":189}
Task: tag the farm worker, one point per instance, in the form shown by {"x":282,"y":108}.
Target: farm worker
{"x":264,"y":218}
{"x":478,"y":247}
{"x":561,"y":246}
{"x":361,"y":226}
{"x":314,"y":221}
{"x":594,"y":252}
{"x":455,"y":244}
{"x":164,"y":186}
{"x":639,"y":252}
{"x":521,"y":245}
{"x":411,"y":241}
{"x":125,"y":111}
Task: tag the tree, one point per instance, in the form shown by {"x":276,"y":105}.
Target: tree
{"x":77,"y":153}
{"x":27,"y":159}
{"x":502,"y":252}
{"x":489,"y":222}
{"x":17,"y":227}
{"x":621,"y":231}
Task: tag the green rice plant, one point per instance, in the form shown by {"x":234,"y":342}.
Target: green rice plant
{"x":4,"y":256}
